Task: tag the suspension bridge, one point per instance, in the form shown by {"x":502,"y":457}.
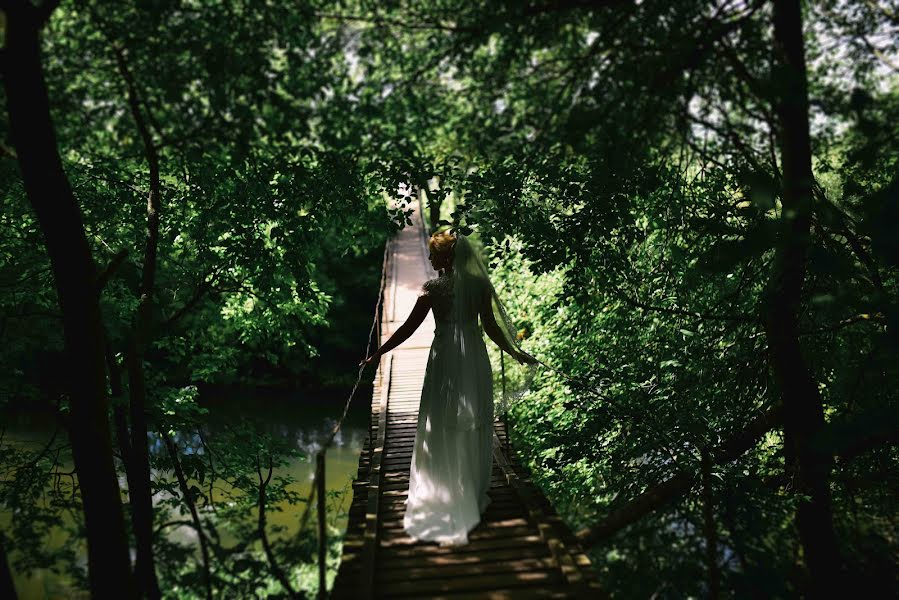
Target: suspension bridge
{"x":520,"y":549}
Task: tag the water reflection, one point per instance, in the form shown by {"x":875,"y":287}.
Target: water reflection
{"x":299,"y":422}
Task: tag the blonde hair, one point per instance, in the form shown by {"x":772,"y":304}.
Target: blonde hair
{"x":443,"y":242}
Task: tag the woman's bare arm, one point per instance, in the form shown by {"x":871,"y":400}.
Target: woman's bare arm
{"x":491,"y":328}
{"x":416,"y":317}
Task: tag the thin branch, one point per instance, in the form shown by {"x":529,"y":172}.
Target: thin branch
{"x":107,"y":273}
{"x":263,"y":536}
{"x":205,"y":287}
{"x":395,"y":22}
{"x":886,"y":60}
{"x":860,"y":318}
{"x":682,"y":312}
{"x":172,"y":450}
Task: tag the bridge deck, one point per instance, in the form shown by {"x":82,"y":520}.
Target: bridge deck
{"x":521,"y":548}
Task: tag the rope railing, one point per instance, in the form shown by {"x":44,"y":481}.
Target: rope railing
{"x":318,"y":479}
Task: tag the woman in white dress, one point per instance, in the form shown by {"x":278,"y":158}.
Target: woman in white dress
{"x":453,"y":454}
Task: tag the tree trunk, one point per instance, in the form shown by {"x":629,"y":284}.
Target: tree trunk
{"x":433,"y":205}
{"x":708,"y":525}
{"x":75,"y":274}
{"x":434,"y":212}
{"x":7,"y":587}
{"x":194,"y":514}
{"x":119,"y":418}
{"x":139,"y":477}
{"x":275,"y":568}
{"x":803,"y":413}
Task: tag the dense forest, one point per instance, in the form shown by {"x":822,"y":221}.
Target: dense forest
{"x":690,"y":209}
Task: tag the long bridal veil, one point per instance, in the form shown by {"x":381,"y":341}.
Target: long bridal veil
{"x":472,"y":291}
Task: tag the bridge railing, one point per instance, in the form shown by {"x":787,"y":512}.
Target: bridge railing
{"x":318,"y":481}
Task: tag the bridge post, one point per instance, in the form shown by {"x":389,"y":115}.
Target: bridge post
{"x":322,"y":539}
{"x":502,"y":367}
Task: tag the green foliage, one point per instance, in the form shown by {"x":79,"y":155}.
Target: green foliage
{"x":620,"y":164}
{"x":271,"y":229}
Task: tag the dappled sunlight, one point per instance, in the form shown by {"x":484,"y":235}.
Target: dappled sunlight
{"x":607,"y":277}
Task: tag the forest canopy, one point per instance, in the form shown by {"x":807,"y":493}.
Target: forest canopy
{"x":690,"y":209}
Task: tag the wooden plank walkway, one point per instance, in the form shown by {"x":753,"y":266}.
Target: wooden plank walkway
{"x":521,"y":548}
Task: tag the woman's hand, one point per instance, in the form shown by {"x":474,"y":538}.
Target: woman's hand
{"x":374,"y":358}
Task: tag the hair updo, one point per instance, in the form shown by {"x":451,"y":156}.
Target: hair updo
{"x":443,"y":242}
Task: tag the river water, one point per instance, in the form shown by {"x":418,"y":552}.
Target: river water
{"x":303,"y":422}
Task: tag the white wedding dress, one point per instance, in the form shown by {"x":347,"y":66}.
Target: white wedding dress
{"x":453,"y":454}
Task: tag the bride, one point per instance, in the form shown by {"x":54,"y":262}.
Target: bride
{"x":453,"y":454}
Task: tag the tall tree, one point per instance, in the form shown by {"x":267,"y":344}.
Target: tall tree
{"x":75,"y":275}
{"x":138,"y":466}
{"x":807,"y":460}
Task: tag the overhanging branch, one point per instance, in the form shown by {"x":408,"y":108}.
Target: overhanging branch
{"x":658,"y":495}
